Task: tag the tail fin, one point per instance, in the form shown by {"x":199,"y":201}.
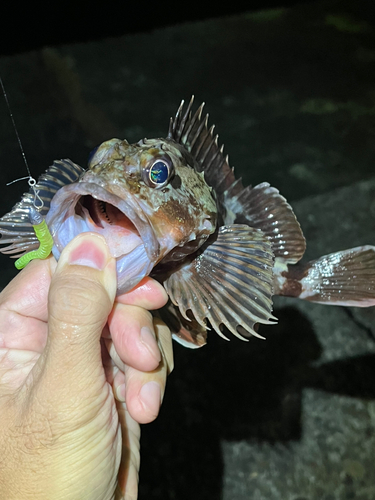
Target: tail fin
{"x":345,"y":278}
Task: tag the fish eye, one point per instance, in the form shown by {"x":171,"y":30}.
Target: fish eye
{"x":159,"y":172}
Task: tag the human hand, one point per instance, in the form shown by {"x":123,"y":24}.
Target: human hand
{"x":63,"y":434}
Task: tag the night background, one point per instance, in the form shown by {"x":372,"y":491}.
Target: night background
{"x":291,"y":89}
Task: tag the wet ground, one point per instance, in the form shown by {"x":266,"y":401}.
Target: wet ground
{"x":292,"y":94}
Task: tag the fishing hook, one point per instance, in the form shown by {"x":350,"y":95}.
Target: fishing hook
{"x":31,"y":182}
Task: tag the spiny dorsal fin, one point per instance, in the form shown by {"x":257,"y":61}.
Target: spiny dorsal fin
{"x":191,"y":130}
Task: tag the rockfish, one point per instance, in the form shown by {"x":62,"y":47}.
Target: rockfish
{"x":172,"y":209}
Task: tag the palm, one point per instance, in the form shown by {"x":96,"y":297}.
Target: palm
{"x":23,"y":339}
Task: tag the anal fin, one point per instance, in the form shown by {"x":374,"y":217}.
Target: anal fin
{"x":188,"y":333}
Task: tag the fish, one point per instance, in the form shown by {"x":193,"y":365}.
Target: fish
{"x":171,"y":208}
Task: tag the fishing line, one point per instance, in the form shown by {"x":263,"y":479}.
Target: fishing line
{"x":35,"y":218}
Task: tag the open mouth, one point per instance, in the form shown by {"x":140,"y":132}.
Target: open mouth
{"x":103,"y":213}
{"x":87,"y":206}
{"x":106,"y":219}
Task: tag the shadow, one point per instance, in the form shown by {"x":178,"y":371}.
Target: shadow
{"x":236,"y":391}
{"x":225,"y":391}
{"x":352,"y":377}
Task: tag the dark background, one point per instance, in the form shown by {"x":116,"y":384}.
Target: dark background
{"x":54,"y":23}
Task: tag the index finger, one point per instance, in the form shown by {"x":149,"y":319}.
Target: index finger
{"x":23,"y":307}
{"x":27,"y":293}
{"x":148,"y":294}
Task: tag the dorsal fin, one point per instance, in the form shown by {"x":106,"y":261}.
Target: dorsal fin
{"x":263,"y":207}
{"x":191,"y":130}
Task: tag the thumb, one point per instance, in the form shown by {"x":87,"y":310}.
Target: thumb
{"x":81,"y":296}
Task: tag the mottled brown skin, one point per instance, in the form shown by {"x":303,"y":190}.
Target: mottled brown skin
{"x":181,"y":212}
{"x":292,"y":286}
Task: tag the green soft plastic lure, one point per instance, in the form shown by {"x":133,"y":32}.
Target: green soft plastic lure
{"x":44,"y":236}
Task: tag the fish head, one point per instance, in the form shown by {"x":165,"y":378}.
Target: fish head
{"x":148,"y":201}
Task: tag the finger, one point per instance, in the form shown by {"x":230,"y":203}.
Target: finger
{"x":144,"y":391}
{"x":127,"y":485}
{"x":27,"y":293}
{"x":80,"y":299}
{"x":23,"y":307}
{"x":134,"y":342}
{"x":148,"y":294}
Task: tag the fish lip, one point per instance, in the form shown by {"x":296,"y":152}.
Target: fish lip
{"x":68,"y":196}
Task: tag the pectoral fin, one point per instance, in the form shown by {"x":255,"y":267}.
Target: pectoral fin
{"x":229,"y":283}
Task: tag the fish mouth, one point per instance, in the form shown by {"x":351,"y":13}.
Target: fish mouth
{"x":91,"y":207}
{"x":121,"y":234}
{"x":103,"y":212}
